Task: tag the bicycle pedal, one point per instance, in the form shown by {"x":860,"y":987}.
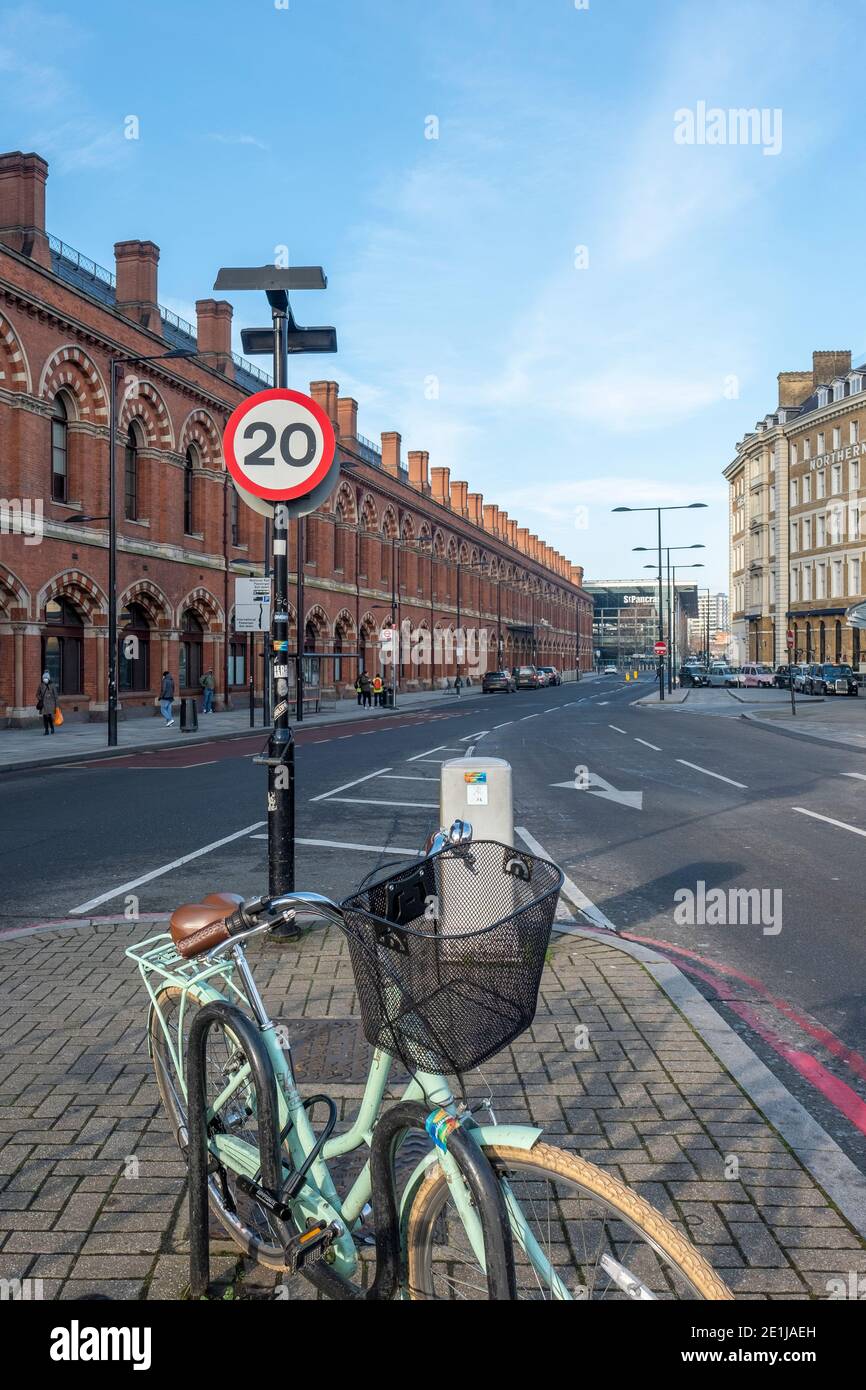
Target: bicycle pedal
{"x":309,"y":1246}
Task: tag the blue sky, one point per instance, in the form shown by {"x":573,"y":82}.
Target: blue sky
{"x":562,"y":391}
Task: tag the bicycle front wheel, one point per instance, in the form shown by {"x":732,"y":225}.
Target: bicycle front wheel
{"x":600,"y":1239}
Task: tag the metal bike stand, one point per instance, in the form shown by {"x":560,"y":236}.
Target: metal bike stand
{"x":474,"y":1167}
{"x":270,"y":1161}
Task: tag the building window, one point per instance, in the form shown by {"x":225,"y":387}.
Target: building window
{"x":821,"y":583}
{"x":854,"y":477}
{"x":822,"y":643}
{"x":130,"y":474}
{"x":188,"y":486}
{"x":836,"y":579}
{"x":807,"y":448}
{"x":820,"y":484}
{"x":807,"y":533}
{"x":795,"y":585}
{"x":237,"y":661}
{"x":854,"y":432}
{"x":854,"y":585}
{"x":807,"y":488}
{"x":134,"y":655}
{"x":821,"y":529}
{"x":338,"y":654}
{"x":836,"y":478}
{"x":192,"y":641}
{"x":794,"y":492}
{"x":820,"y":446}
{"x":837,"y":437}
{"x":59,"y":451}
{"x":62,"y":645}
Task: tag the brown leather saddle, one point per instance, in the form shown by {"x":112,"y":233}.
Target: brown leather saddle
{"x":191,"y":917}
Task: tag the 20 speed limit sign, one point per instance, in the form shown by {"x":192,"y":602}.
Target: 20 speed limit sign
{"x":279,"y":445}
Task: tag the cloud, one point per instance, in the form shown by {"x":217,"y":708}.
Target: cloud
{"x":222,"y":139}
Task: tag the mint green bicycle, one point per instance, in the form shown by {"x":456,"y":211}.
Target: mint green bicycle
{"x":447,"y":955}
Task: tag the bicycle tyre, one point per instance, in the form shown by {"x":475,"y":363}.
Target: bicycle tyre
{"x":670,"y":1248}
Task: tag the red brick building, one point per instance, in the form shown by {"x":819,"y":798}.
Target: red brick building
{"x":394,"y":538}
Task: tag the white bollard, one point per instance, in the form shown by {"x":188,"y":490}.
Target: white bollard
{"x":477,"y":790}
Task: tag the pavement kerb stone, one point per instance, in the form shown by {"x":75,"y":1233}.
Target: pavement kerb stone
{"x":840,"y":1179}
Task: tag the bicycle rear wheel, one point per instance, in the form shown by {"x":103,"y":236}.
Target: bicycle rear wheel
{"x":255,"y":1230}
{"x":601,"y":1239}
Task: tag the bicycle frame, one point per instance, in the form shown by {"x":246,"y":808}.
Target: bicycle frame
{"x":319,"y":1199}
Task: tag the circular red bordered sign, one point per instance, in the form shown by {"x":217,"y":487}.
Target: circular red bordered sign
{"x":279,"y":444}
{"x":661,"y":648}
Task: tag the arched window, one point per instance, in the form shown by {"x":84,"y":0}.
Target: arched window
{"x":822,"y":643}
{"x":59,"y":450}
{"x":338,"y":653}
{"x":235,"y":516}
{"x":188,"y":498}
{"x":339,"y":540}
{"x":192,"y":640}
{"x":130,"y":473}
{"x":837,"y":656}
{"x":855,"y":648}
{"x":808,"y":641}
{"x":134,"y":657}
{"x":62,"y":645}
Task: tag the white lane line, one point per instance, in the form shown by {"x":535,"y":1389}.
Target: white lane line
{"x":440,"y":748}
{"x":843,"y":825}
{"x":323,"y":796}
{"x":717,"y":775}
{"x":616,"y":728}
{"x":413,"y":805}
{"x":505,"y":725}
{"x":654,"y":746}
{"x":349,"y":844}
{"x":601,"y":702}
{"x":570,"y":889}
{"x":861,"y":776}
{"x":405,"y":777}
{"x":164,"y":869}
{"x":529,"y":716}
{"x":182,"y":766}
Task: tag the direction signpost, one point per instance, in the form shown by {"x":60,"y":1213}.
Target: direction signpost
{"x":280,"y":449}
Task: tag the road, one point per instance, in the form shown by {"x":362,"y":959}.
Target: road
{"x":666,"y":801}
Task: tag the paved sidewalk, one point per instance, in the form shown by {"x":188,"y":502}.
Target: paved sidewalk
{"x":834,"y":719}
{"x":92,"y":1194}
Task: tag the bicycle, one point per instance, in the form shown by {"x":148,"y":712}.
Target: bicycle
{"x":441,"y":989}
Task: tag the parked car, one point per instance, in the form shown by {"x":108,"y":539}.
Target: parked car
{"x":800,"y":674}
{"x":497,"y":680}
{"x":693,"y":674}
{"x":525,"y":678}
{"x":756,"y":673}
{"x":782,"y":676}
{"x":721,"y":674}
{"x":610,"y":670}
{"x":825,"y":678}
{"x":551,"y":675}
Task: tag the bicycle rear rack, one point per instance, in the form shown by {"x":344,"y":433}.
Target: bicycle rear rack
{"x":474,"y":1167}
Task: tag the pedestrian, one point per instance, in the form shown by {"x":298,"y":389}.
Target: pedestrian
{"x":378,"y":687}
{"x":208,"y":685}
{"x":46,"y":702}
{"x":458,"y":685}
{"x":359,"y":688}
{"x":366,"y":690}
{"x":166,"y":697}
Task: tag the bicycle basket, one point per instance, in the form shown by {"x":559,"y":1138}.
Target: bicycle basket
{"x":447,"y":953}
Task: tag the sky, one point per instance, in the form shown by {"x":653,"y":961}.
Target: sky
{"x":541,"y":270}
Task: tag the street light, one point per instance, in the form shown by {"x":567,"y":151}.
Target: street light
{"x":671,"y":624}
{"x":668,"y":548}
{"x":682,"y":507}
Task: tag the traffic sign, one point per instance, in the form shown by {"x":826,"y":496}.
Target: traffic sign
{"x":302,"y":506}
{"x":661,"y":648}
{"x":279,"y":445}
{"x":252,"y":605}
{"x":790,"y":638}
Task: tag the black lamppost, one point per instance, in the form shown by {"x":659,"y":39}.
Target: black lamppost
{"x":668,"y":549}
{"x":672,"y":619}
{"x":684,"y":507}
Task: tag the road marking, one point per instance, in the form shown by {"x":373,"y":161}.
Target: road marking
{"x":505,"y":725}
{"x":414,"y":805}
{"x":597,"y":786}
{"x":616,"y":728}
{"x":717,"y":775}
{"x":404,"y":777}
{"x":323,"y":796}
{"x":164,"y":869}
{"x":648,"y":745}
{"x":183,"y":766}
{"x":528,"y":716}
{"x":349,"y":844}
{"x":570,"y":889}
{"x":440,"y":748}
{"x":470,"y":737}
{"x":602,"y":702}
{"x":843,"y":825}
{"x":861,"y":776}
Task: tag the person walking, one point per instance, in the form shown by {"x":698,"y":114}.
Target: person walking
{"x":46,"y":702}
{"x":378,"y":687}
{"x":359,"y":688}
{"x":208,"y":685}
{"x":166,"y":697}
{"x":366,"y":690}
{"x":458,"y":685}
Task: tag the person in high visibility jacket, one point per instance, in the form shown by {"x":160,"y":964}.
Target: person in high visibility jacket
{"x":378,"y":689}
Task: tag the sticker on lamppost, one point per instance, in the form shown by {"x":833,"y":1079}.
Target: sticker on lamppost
{"x":279,"y":445}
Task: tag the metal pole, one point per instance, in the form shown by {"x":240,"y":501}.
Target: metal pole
{"x":299,"y":655}
{"x":281,"y":745}
{"x":266,"y":648}
{"x":661,"y":611}
{"x":670,"y":629}
{"x":112,"y":556}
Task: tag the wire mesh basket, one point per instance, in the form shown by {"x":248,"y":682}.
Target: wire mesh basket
{"x":448,"y":953}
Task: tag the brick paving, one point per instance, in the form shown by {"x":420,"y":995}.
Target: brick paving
{"x":92,"y":1195}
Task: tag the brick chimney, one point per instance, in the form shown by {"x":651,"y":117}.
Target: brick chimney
{"x":577,"y":575}
{"x":826,"y":365}
{"x":522,"y":538}
{"x":475,"y":505}
{"x":794,"y":387}
{"x":439,"y":478}
{"x":511,"y":532}
{"x":459,"y":492}
{"x":419,"y":462}
{"x":22,"y":205}
{"x":491,"y":518}
{"x":391,"y":453}
{"x":136,"y":266}
{"x":326,"y":394}
{"x":347,"y":418}
{"x":214,"y":333}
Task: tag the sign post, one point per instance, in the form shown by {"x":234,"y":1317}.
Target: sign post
{"x":789,"y":639}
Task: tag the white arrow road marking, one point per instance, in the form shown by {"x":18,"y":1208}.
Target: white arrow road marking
{"x":717,"y":775}
{"x":597,"y":786}
{"x":469,"y":737}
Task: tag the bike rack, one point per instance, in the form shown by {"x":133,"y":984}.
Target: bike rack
{"x":474,"y":1167}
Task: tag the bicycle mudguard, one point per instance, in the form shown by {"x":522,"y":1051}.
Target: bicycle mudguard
{"x":511,"y":1136}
